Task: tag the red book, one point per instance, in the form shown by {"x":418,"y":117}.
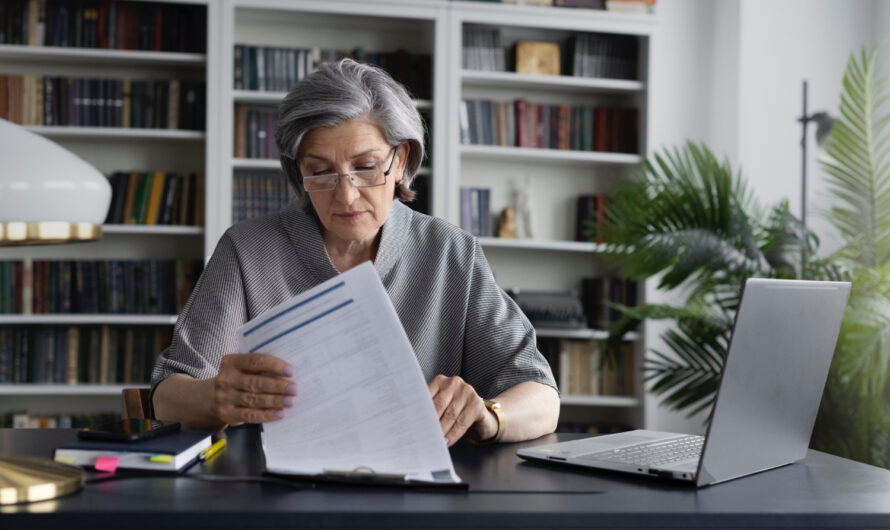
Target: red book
{"x":127,"y":30}
{"x":564,"y":127}
{"x":600,"y":216}
{"x":102,"y":26}
{"x":601,"y":129}
{"x":159,"y":19}
{"x":521,"y":132}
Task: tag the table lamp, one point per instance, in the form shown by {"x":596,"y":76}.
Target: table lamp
{"x":47,"y":195}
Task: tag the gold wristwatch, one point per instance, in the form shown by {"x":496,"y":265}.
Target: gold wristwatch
{"x":495,"y":407}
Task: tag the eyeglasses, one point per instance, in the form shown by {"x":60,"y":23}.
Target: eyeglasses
{"x":360,"y":178}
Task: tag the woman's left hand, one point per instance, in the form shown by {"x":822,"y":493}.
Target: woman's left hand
{"x":460,"y":410}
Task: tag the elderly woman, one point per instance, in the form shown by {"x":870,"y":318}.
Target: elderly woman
{"x":351,"y":142}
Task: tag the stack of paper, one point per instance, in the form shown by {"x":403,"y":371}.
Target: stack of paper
{"x":362,"y":403}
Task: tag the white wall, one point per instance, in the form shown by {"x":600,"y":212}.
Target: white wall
{"x":729,"y":73}
{"x":778,"y":51}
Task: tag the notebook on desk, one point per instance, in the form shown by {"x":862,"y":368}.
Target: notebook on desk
{"x":169,"y":452}
{"x":776,"y":366}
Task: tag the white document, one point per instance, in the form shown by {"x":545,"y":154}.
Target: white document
{"x":362,"y":403}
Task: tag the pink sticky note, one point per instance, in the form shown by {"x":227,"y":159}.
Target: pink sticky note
{"x":106,"y":463}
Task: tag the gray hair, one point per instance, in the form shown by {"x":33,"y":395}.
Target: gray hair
{"x":343,"y":91}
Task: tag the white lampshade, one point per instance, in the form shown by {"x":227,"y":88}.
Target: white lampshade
{"x":47,"y":194}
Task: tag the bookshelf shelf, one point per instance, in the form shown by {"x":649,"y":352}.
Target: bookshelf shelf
{"x":67,"y":319}
{"x":269,"y":164}
{"x":257,"y":97}
{"x":106,"y":133}
{"x":561,"y":83}
{"x":89,"y":56}
{"x":536,"y":244}
{"x":162,"y":230}
{"x":600,"y":401}
{"x":61,"y":389}
{"x":557,"y":155}
{"x":581,"y":334}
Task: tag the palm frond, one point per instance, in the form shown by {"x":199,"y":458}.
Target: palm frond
{"x":685,"y":216}
{"x":855,"y":161}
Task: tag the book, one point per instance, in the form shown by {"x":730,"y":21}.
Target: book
{"x":170,"y":452}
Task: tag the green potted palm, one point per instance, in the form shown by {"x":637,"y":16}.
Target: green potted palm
{"x":690,"y":221}
{"x":854,"y":418}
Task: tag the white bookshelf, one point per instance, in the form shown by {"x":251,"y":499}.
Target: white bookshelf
{"x":548,"y":155}
{"x":152,"y":230}
{"x":538,"y":244}
{"x":74,"y":319}
{"x":600,"y":401}
{"x":109,"y":150}
{"x":116,"y":133}
{"x":64,"y":390}
{"x":551,"y":259}
{"x":88,"y":56}
{"x":560,"y":83}
{"x":581,"y":334}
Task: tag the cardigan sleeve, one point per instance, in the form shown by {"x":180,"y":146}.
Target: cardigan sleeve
{"x":499,"y":341}
{"x":205,"y":329}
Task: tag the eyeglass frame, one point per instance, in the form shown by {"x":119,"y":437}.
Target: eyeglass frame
{"x":349,"y":174}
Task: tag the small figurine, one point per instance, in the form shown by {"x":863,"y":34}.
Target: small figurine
{"x":507,"y":223}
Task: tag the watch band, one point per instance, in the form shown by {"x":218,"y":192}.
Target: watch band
{"x":498,"y":411}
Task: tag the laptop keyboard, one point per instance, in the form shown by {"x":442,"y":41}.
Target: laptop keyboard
{"x":654,"y":454}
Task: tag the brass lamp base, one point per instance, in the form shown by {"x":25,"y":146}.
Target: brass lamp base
{"x":28,"y":479}
{"x":13,"y":234}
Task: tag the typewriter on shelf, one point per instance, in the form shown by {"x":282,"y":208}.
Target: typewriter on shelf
{"x":550,"y":309}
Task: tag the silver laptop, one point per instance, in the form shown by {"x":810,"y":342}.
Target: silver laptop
{"x":782,"y":343}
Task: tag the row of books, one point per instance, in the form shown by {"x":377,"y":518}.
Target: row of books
{"x":255,"y":194}
{"x":277,"y":69}
{"x":521,"y":123}
{"x":255,"y":132}
{"x":604,"y":55}
{"x":91,"y":102}
{"x":80,"y":354}
{"x":271,"y":68}
{"x":158,"y":287}
{"x":475,"y":211}
{"x":599,"y":55}
{"x":156,"y":198}
{"x":581,"y":368}
{"x":28,"y":420}
{"x":598,"y":294}
{"x":109,"y":24}
{"x":483,"y":49}
{"x":590,"y":217}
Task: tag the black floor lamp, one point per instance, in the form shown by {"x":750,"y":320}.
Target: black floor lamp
{"x":823,"y":128}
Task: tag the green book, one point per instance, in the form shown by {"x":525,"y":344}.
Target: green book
{"x":142,"y":195}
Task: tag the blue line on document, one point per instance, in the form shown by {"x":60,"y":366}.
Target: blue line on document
{"x":301,"y":324}
{"x":289,"y":309}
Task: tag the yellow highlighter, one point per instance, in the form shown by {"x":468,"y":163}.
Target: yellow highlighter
{"x":212,"y":451}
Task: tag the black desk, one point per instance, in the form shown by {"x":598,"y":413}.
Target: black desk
{"x":822,"y":492}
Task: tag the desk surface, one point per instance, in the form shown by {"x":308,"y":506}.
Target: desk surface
{"x":822,"y":492}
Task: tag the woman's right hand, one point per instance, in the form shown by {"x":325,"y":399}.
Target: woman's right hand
{"x":252,"y":388}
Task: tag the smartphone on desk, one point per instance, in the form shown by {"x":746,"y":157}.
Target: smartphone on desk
{"x":130,"y":430}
